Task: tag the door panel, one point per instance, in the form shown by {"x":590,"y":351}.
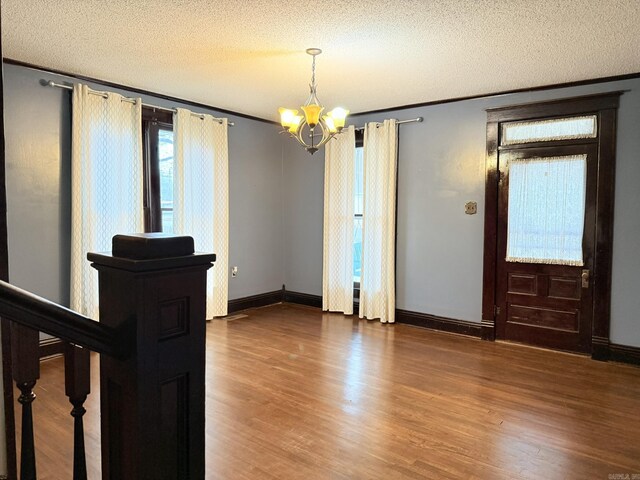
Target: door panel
{"x":546,"y":304}
{"x":544,"y":317}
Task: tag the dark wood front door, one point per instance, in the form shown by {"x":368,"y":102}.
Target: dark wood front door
{"x":544,"y":293}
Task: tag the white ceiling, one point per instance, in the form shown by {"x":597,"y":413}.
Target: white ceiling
{"x":249,"y":56}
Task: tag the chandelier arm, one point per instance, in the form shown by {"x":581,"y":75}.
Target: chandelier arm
{"x":299,"y":135}
{"x":326,"y":133}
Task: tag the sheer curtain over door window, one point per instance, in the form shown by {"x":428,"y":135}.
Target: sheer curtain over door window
{"x":106,"y":183}
{"x":546,"y":209}
{"x":201,"y":195}
{"x":339,"y":182}
{"x":377,"y":283}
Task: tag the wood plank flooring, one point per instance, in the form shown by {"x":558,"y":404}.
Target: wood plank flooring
{"x":293,"y":393}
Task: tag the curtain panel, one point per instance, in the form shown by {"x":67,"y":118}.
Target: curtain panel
{"x":377,"y":284}
{"x":201,"y":196}
{"x":106,"y":183}
{"x":338,"y":235}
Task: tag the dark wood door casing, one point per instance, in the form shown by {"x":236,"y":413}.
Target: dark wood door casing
{"x":604,"y":106}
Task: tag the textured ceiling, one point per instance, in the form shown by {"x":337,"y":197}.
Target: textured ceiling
{"x":249,"y":56}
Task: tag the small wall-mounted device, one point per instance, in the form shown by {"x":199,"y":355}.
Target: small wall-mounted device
{"x":471,"y":208}
{"x":234,"y":271}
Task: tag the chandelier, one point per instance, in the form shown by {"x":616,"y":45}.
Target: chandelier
{"x":313,"y":124}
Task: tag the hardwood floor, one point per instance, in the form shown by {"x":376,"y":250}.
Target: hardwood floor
{"x":296,"y":394}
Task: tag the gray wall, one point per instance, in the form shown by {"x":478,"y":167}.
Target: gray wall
{"x":440,"y":249}
{"x":303,"y":206}
{"x":38,"y":190}
{"x":276,"y":202}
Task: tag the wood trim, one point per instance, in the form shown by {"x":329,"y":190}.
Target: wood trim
{"x":402,"y":316}
{"x":559,"y":107}
{"x":4,"y":250}
{"x":50,"y":347}
{"x":488,"y":330}
{"x":36,"y":313}
{"x":605,"y":106}
{"x":140,"y":91}
{"x":254,"y":301}
{"x":553,"y":86}
{"x":311,"y":300}
{"x":624,"y":354}
{"x":359,"y":138}
{"x":492,"y":178}
{"x":5,"y":327}
{"x":600,"y":348}
{"x":151,"y":114}
{"x":603,"y":254}
{"x":303,"y":299}
{"x":9,"y":409}
{"x":152,"y":122}
{"x":434,"y":322}
{"x":616,"y":353}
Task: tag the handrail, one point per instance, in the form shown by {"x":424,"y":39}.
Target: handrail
{"x":25,"y":308}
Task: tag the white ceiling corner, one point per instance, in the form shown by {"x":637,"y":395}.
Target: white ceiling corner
{"x":249,"y":56}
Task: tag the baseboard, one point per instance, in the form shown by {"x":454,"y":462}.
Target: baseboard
{"x":600,"y":349}
{"x":488,"y":330}
{"x":254,"y":301}
{"x":303,"y":299}
{"x":50,"y":347}
{"x":624,"y":354}
{"x":434,"y":322}
{"x":402,"y":316}
{"x":485,"y":330}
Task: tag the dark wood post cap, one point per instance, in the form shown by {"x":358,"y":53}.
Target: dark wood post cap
{"x":150,"y":251}
{"x":146,"y":246}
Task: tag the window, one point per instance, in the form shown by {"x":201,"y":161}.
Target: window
{"x":358,"y":203}
{"x":358,"y":211}
{"x":157,"y":129}
{"x":165,"y":160}
{"x":514,"y":133}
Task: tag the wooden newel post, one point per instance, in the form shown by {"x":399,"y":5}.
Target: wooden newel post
{"x":153,"y":287}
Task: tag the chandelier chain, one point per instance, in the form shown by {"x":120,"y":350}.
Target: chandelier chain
{"x":313,"y":72}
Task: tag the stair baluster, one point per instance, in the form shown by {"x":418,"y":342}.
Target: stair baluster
{"x":77,"y":384}
{"x":26,"y":371}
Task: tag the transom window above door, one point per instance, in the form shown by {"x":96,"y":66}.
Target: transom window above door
{"x":548,"y":130}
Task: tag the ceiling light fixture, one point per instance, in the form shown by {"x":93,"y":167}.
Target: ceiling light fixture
{"x":329,"y":125}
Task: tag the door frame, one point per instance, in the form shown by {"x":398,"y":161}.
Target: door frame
{"x":605,"y":107}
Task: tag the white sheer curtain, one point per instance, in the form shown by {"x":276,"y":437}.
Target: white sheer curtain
{"x":106,"y":183}
{"x":377,"y":284}
{"x":201,"y":196}
{"x":546,"y":209}
{"x":339,"y":182}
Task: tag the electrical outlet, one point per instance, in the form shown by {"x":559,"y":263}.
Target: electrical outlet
{"x":234,"y":271}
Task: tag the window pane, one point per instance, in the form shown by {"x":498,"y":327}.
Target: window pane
{"x":165,"y":157}
{"x":357,"y":234}
{"x":546,"y":210}
{"x":549,"y":130}
{"x":357,"y":249}
{"x":359,"y":187}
